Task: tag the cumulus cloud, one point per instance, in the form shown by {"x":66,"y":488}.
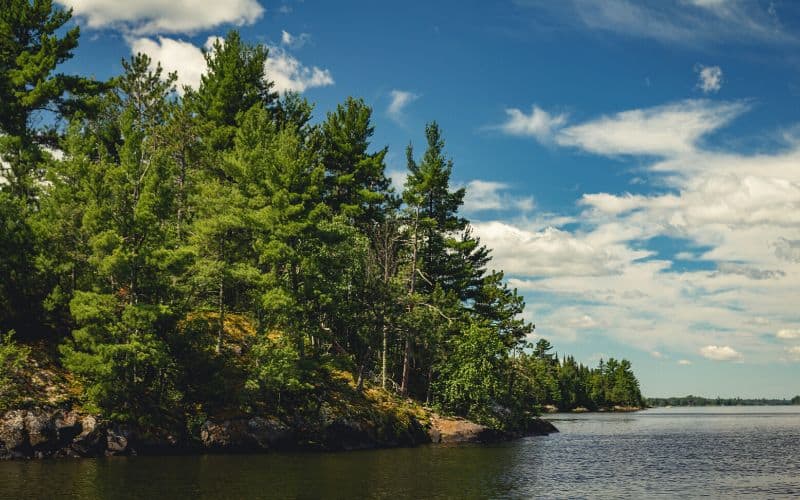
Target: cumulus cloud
{"x":538,"y":124}
{"x":162,"y":16}
{"x":666,"y":130}
{"x":788,"y":334}
{"x":289,"y":74}
{"x":554,"y":252}
{"x":720,"y":353}
{"x":794,"y":352}
{"x":487,"y":195}
{"x":188,"y":61}
{"x":736,"y":215}
{"x":175,"y":55}
{"x":709,"y":79}
{"x":400,"y":99}
{"x":684,"y":362}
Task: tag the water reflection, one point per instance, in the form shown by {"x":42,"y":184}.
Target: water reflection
{"x":675,"y":452}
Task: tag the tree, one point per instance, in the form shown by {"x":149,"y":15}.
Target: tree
{"x":126,"y":313}
{"x":233,"y":83}
{"x":355,"y":183}
{"x":32,"y":45}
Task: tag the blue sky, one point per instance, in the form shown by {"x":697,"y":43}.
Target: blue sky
{"x":634,"y":164}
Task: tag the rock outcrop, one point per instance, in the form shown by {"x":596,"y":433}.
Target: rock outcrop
{"x":41,"y":433}
{"x":459,"y":430}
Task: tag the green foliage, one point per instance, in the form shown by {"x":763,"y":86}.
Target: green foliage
{"x":13,"y":360}
{"x":568,"y":385}
{"x":119,"y":356}
{"x":219,"y":251}
{"x":274,"y":370}
{"x":472,"y":380}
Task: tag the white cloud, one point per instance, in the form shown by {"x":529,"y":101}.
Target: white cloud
{"x":175,"y":55}
{"x":657,"y":354}
{"x":788,"y":250}
{"x":788,"y":334}
{"x":709,"y":79}
{"x":554,"y":252}
{"x":667,"y":130}
{"x":681,"y":22}
{"x":583,"y":322}
{"x":737,"y":214}
{"x":398,"y":178}
{"x":294,"y":41}
{"x":538,"y":124}
{"x":289,"y":74}
{"x":162,"y":16}
{"x":487,"y":195}
{"x":720,"y":353}
{"x":187,"y":60}
{"x":399,"y":100}
{"x":794,"y":352}
{"x":684,"y":362}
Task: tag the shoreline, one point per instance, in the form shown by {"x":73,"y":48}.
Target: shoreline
{"x":42,"y":433}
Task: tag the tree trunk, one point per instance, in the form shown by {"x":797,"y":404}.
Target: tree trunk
{"x":406,"y":367}
{"x":384,"y":354}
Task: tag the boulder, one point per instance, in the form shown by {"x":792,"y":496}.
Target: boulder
{"x":459,"y":430}
{"x":67,"y":425}
{"x":92,"y":439}
{"x":118,"y":441}
{"x":269,"y":432}
{"x":41,"y":430}
{"x":345,"y":434}
{"x":13,"y":438}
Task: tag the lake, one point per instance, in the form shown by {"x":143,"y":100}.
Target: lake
{"x":687,"y":452}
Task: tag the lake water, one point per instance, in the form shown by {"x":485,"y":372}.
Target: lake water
{"x":676,"y":452}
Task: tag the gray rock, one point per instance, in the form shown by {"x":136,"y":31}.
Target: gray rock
{"x":67,"y":425}
{"x":41,"y":430}
{"x":268,"y":433}
{"x":92,"y":439}
{"x":13,"y":438}
{"x":118,"y":441}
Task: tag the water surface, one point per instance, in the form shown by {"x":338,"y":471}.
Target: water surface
{"x":686,"y":452}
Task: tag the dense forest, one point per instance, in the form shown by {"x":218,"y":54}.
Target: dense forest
{"x":701,"y":401}
{"x":191,"y":251}
{"x":568,"y":385}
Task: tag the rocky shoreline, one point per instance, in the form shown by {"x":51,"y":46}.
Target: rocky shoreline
{"x":64,"y":433}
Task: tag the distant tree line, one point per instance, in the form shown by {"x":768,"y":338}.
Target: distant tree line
{"x":701,"y":401}
{"x":569,"y":385}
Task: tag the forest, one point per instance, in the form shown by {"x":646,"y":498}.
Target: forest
{"x":194,"y":251}
{"x":718,"y":401}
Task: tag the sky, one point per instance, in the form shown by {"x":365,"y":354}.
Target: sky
{"x":634,"y":165}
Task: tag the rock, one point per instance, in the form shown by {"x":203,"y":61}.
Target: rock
{"x":41,"y":430}
{"x":13,"y":438}
{"x":269,"y":432}
{"x":67,"y":426}
{"x":118,"y":441}
{"x":540,"y":427}
{"x":344,"y":434}
{"x":92,"y":439}
{"x":458,"y":430}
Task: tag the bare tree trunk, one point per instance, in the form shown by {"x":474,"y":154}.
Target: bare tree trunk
{"x":406,"y":367}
